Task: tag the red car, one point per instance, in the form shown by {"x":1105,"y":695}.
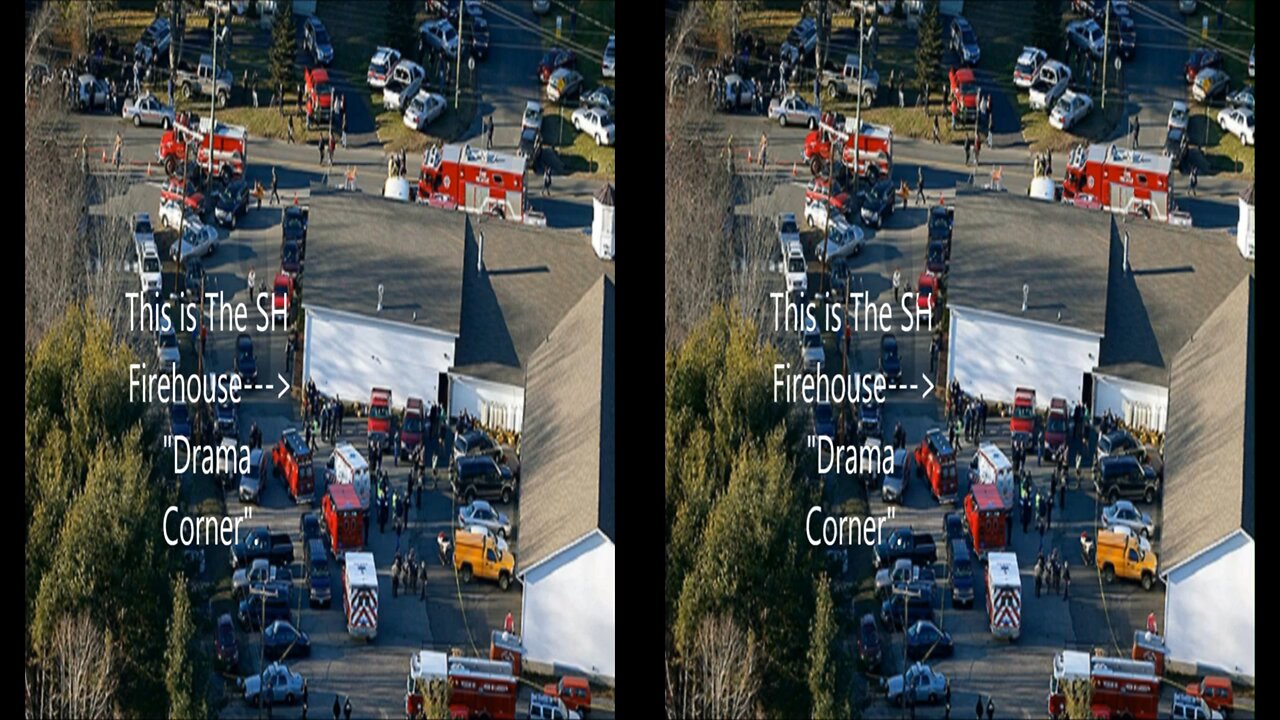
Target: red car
{"x":819,"y":189}
{"x":1055,"y":428}
{"x":927,"y":297}
{"x":553,"y":60}
{"x":869,"y":642}
{"x":283,"y":292}
{"x":1024,"y":412}
{"x":1216,"y":691}
{"x":936,"y":458}
{"x":225,"y":645}
{"x":573,"y":690}
{"x":172,"y":190}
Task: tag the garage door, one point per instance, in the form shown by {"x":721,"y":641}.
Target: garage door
{"x":348,"y":354}
{"x":991,"y":354}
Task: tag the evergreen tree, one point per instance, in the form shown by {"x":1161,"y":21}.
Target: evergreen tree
{"x":1046,"y":26}
{"x":179,"y":665}
{"x":929,"y":48}
{"x":828,"y":701}
{"x":402,"y":32}
{"x":283,"y":46}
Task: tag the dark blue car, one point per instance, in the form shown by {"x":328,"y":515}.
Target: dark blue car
{"x":282,"y":640}
{"x":246,"y":363}
{"x":179,"y":420}
{"x":890,"y":362}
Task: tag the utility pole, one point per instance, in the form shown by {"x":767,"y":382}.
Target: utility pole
{"x":332,"y":107}
{"x":457,"y":61}
{"x":820,"y":51}
{"x":1106,"y":43}
{"x":213,"y":98}
{"x":174,"y":42}
{"x":857,"y":127}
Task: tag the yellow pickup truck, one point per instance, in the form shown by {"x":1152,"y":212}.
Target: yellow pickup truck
{"x":478,"y":555}
{"x":1122,"y":555}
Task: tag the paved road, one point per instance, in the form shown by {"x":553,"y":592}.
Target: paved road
{"x":943,"y":165}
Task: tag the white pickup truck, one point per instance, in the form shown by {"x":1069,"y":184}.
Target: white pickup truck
{"x":405,"y":82}
{"x":1050,"y":83}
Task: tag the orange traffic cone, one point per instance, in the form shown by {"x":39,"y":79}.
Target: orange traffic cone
{"x":748,"y":156}
{"x":104,"y":155}
{"x":793,"y":169}
{"x":148,"y":169}
{"x":295,"y":198}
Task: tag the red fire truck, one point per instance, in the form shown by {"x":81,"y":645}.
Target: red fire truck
{"x":875,"y":147}
{"x":478,"y":688}
{"x":343,"y":520}
{"x":291,"y":459}
{"x":473,"y":179}
{"x":380,"y":417}
{"x":229,"y":143}
{"x":319,"y":96}
{"x":1109,"y":177}
{"x":937,"y":459}
{"x":986,"y":518}
{"x":1121,"y":687}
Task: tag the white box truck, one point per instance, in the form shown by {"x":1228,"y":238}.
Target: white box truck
{"x":350,"y":468}
{"x":1004,"y":595}
{"x":360,"y":595}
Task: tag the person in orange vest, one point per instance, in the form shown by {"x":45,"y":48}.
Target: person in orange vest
{"x":1151,"y":623}
{"x":509,"y":624}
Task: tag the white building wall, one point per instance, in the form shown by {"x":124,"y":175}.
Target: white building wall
{"x":348,"y":355}
{"x":991,"y":354}
{"x":1209,"y":608}
{"x":568,"y":617}
{"x":1139,"y":404}
{"x":496,"y":404}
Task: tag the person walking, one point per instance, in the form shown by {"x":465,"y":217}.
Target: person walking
{"x":764,"y":149}
{"x":933,"y":355}
{"x":1195,"y":178}
{"x":937,"y":134}
{"x":978,"y":709}
{"x":395,"y":576}
{"x":333,"y":145}
{"x":422,"y":580}
{"x":1066,"y":582}
{"x":290,"y":139}
{"x":1136,"y":126}
{"x":382,"y":514}
{"x":1039,"y":573}
{"x":346,"y":710}
{"x":337,"y":708}
{"x":982,"y":414}
{"x":897,"y":284}
{"x":1048,"y":513}
{"x":323,"y":146}
{"x":920,"y":199}
{"x":1026,"y":511}
{"x":1048,"y":162}
{"x":275,"y":184}
{"x":115,"y":153}
{"x":977,"y":150}
{"x":968,"y":149}
{"x":344,"y":130}
{"x":991,"y":708}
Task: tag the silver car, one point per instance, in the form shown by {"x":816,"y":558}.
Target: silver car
{"x":606,"y":66}
{"x":921,"y":682}
{"x":284,"y":685}
{"x":148,"y":109}
{"x":167,"y":346}
{"x":1125,"y":514}
{"x":481,"y":513}
{"x":793,"y":110}
{"x":895,"y":483}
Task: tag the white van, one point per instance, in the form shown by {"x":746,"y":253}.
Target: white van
{"x":350,"y":468}
{"x":990,"y":466}
{"x":796,"y":270}
{"x":149,"y":266}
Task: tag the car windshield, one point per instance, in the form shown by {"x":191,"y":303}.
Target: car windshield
{"x":322,"y":90}
{"x":1063,"y":106}
{"x":178,"y":413}
{"x":938,"y":222}
{"x":1057,"y":424}
{"x":290,"y":254}
{"x":319,"y":568}
{"x":789,"y":226}
{"x":413,"y":424}
{"x":1178,"y":115}
{"x":151,"y":264}
{"x":1026,"y":65}
{"x":226,"y":635}
{"x":379,"y":67}
{"x":962,"y":569}
{"x":968,"y":37}
{"x":926,"y":290}
{"x":812,"y":340}
{"x":449,"y":34}
{"x":531,"y":116}
{"x":143,"y":227}
{"x":822,"y":413}
{"x":322,"y":36}
{"x":293,"y":223}
{"x":967,"y":89}
{"x":168,"y":340}
{"x":795,"y":265}
{"x":1022,"y":411}
{"x":380,"y":412}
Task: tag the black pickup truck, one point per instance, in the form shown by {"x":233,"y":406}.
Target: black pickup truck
{"x":277,"y":548}
{"x":904,"y":543}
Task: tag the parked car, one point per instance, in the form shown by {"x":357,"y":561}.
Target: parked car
{"x":281,"y":639}
{"x":425,"y":108}
{"x":1215,"y":690}
{"x":793,"y":110}
{"x":554,"y":59}
{"x":1050,"y":83}
{"x":233,"y":201}
{"x":1190,"y":707}
{"x":1117,"y":443}
{"x":245,"y":363}
{"x":1114,"y":477}
{"x":315,"y":40}
{"x":606,"y":64}
{"x":920,"y":682}
{"x":167,"y":346}
{"x":475,"y":37}
{"x":198,"y":239}
{"x":1125,"y":514}
{"x":147,"y":109}
{"x":380,"y":66}
{"x":869,"y":651}
{"x":1242,"y":97}
{"x":824,"y":422}
{"x":596,"y":123}
{"x":894,"y":486}
{"x":406,"y":80}
{"x":814,"y":354}
{"x":225,"y":646}
{"x":907,"y":605}
{"x":1178,"y":114}
{"x":475,"y":442}
{"x":283,"y":685}
{"x":841,"y":239}
{"x":964,"y":41}
{"x":878,"y":202}
{"x":154,"y":41}
{"x":601,"y":97}
{"x":481,"y":513}
{"x":441,"y":35}
{"x":179,"y":420}
{"x":1238,"y":122}
{"x":924,"y":640}
{"x":1126,"y":36}
{"x":1028,"y":65}
{"x":1087,"y":35}
{"x":1070,"y":109}
{"x":1210,"y":84}
{"x":1200,"y":59}
{"x":890,"y":362}
{"x":563,"y":84}
{"x":474,"y":477}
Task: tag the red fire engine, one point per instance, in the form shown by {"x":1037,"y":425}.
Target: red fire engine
{"x":875,"y":146}
{"x":1109,"y":177}
{"x":478,"y":688}
{"x":343,"y":520}
{"x":1121,"y":688}
{"x":291,"y":460}
{"x":229,"y":143}
{"x":986,"y":518}
{"x":475,"y":180}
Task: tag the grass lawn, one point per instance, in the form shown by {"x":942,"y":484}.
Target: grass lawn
{"x":595,"y":25}
{"x":1222,"y":151}
{"x":578,"y":152}
{"x":1040,"y":135}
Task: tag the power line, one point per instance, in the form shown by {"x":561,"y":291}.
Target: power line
{"x":1186,"y":32}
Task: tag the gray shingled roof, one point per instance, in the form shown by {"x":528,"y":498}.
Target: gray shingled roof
{"x":355,"y":241}
{"x":567,"y":451}
{"x":1002,"y":241}
{"x":1209,"y":491}
{"x":532,"y":277}
{"x":1179,"y":276}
